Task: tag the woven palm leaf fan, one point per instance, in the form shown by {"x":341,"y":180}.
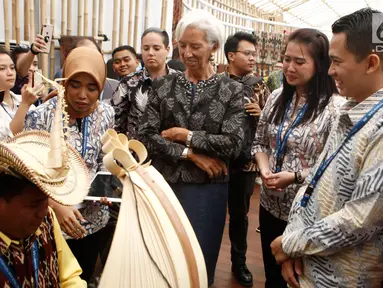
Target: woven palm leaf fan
{"x":154,"y":244}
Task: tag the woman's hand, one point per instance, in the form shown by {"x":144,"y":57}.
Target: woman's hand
{"x":266,"y":176}
{"x":212,"y":166}
{"x":176,"y":134}
{"x":30,"y":95}
{"x":68,"y":218}
{"x":281,"y":180}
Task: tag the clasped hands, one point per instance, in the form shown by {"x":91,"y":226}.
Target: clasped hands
{"x":277,"y":181}
{"x":214,"y":167}
{"x":290,"y":266}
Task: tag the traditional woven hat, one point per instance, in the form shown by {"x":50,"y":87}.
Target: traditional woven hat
{"x":47,"y":160}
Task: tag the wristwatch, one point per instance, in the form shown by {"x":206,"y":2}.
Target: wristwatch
{"x":185,"y":153}
{"x":298,"y":177}
{"x":189,"y":138}
{"x":33,"y":52}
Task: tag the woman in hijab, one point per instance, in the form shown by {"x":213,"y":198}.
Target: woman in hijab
{"x":85,"y":73}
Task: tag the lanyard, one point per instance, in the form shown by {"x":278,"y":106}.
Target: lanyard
{"x":325,"y":163}
{"x":282,"y":143}
{"x":10,"y":116}
{"x":10,"y":273}
{"x":84,"y":137}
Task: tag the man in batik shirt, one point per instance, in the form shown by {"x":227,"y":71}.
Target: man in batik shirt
{"x":334,"y":236}
{"x":240,"y":53}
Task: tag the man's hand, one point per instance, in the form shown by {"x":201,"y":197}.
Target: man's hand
{"x":212,"y":166}
{"x":288,"y":268}
{"x":176,"y":134}
{"x":253,"y":108}
{"x":68,"y":218}
{"x":276,"y":249}
{"x":39,"y":44}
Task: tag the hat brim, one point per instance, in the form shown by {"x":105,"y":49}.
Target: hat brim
{"x":26,"y":155}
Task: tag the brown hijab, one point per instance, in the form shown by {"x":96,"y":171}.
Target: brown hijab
{"x":85,"y":60}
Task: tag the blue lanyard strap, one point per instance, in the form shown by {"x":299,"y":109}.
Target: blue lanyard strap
{"x":282,"y":143}
{"x":325,"y":163}
{"x":84,"y":137}
{"x":9,"y":272}
{"x":10,"y":116}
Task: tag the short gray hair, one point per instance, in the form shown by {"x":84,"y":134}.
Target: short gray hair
{"x":203,"y":20}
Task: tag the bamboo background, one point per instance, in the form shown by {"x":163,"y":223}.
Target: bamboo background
{"x":122,"y":21}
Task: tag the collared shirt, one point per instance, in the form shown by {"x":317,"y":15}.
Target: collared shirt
{"x":99,"y":122}
{"x":129,"y":101}
{"x":304,"y":146}
{"x":258,"y":93}
{"x":212,"y":109}
{"x":7,"y":114}
{"x":57,"y":265}
{"x":339,"y":234}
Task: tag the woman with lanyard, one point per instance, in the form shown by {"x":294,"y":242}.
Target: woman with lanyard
{"x":13,"y":107}
{"x":85,"y":73}
{"x":292,"y":132}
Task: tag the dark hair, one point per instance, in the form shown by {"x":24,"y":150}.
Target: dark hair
{"x":358,"y":29}
{"x":162,"y":33}
{"x":232,"y":42}
{"x":81,"y":40}
{"x":4,"y":51}
{"x":123,"y":48}
{"x":320,"y":88}
{"x":12,"y":186}
{"x":17,"y":51}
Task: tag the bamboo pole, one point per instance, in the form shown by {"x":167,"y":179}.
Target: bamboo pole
{"x":146,"y":14}
{"x":94,"y":19}
{"x":31,"y":19}
{"x":13,"y":19}
{"x":63,"y":16}
{"x":136,"y":24}
{"x":130,"y":24}
{"x":52,"y":53}
{"x":69,"y":18}
{"x":17,"y":16}
{"x":6,"y":26}
{"x":80,"y":20}
{"x":100,"y":20}
{"x":86,"y":18}
{"x":115,"y":23}
{"x":43,"y":20}
{"x":122,"y":21}
{"x":163,"y":14}
{"x":26,"y":20}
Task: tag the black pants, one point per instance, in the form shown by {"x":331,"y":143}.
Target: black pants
{"x":241,"y":187}
{"x":271,"y":228}
{"x":87,"y":250}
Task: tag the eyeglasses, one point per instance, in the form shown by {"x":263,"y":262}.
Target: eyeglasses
{"x":248,"y":53}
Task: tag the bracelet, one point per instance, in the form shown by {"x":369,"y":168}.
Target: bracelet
{"x":189,"y":139}
{"x":33,"y":52}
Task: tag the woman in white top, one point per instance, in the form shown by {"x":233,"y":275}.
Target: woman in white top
{"x":13,"y":108}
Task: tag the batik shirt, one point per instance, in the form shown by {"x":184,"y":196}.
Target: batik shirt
{"x":98,"y":123}
{"x":130,"y":99}
{"x":57,"y":265}
{"x":304,"y":145}
{"x":255,"y":91}
{"x":212,"y":109}
{"x":339,"y":234}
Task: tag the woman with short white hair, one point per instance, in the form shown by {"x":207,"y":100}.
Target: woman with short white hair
{"x":193,"y":127}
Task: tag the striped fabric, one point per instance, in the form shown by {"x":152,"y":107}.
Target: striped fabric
{"x":339,"y":235}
